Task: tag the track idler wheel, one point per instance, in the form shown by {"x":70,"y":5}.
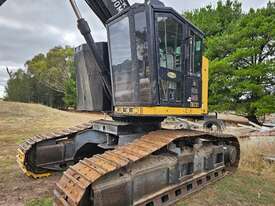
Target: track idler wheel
{"x":214,"y":125}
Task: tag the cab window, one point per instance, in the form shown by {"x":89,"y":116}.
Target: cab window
{"x":121,"y":57}
{"x":195,"y":50}
{"x":144,"y":73}
{"x":170,"y":42}
{"x":170,"y":35}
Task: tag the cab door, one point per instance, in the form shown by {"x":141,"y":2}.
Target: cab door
{"x":193,"y":71}
{"x":169,"y":37}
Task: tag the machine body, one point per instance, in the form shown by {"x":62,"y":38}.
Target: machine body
{"x":151,"y":67}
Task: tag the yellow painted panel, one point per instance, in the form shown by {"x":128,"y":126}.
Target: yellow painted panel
{"x":158,"y":111}
{"x":205,"y":78}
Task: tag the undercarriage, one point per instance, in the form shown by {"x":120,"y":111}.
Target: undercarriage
{"x":156,"y":169}
{"x":41,"y":154}
{"x":123,"y":163}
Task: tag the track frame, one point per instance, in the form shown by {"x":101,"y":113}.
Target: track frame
{"x":74,"y":187}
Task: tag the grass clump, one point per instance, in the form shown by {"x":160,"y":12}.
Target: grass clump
{"x":252,"y":153}
{"x":40,"y":202}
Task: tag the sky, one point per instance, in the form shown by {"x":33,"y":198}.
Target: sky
{"x":38,"y":25}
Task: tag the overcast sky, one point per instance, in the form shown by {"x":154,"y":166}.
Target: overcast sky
{"x":29,"y":27}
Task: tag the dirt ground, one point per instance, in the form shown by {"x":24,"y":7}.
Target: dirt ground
{"x":252,"y":185}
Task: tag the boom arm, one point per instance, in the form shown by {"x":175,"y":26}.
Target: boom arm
{"x":2,"y":2}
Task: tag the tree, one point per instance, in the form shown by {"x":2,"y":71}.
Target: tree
{"x":49,"y":79}
{"x":19,"y":87}
{"x":241,"y":52}
{"x":55,"y":71}
{"x":52,"y":69}
{"x":70,"y":89}
{"x":242,"y":71}
{"x":214,"y":21}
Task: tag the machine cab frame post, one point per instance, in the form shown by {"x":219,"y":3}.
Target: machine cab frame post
{"x":156,"y":63}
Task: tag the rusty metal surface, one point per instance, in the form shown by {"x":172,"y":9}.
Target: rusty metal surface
{"x":76,"y":181}
{"x":27,"y":146}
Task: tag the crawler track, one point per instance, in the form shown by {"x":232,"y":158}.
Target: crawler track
{"x":28,"y":147}
{"x":75,"y":185}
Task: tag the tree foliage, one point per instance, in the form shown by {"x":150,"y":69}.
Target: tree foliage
{"x":70,"y":88}
{"x":49,"y":79}
{"x":242,"y":54}
{"x":215,"y":20}
{"x":22,"y":87}
{"x":52,"y":69}
{"x":19,"y":87}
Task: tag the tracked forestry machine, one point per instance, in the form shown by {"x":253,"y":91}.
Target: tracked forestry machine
{"x":151,"y":67}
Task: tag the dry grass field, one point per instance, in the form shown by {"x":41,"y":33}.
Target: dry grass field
{"x":252,"y":185}
{"x":18,"y":122}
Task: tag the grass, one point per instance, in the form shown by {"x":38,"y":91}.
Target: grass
{"x":40,"y":202}
{"x":252,"y":154}
{"x":241,"y":189}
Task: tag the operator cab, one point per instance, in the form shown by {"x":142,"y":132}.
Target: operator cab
{"x":156,"y":62}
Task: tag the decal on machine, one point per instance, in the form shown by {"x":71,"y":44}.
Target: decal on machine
{"x":172,"y":75}
{"x":120,"y":5}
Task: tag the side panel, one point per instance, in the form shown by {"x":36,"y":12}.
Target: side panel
{"x":91,"y":95}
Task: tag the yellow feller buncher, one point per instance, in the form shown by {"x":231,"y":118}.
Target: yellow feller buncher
{"x":151,"y":67}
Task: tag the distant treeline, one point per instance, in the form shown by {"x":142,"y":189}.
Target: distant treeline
{"x":239,"y":45}
{"x":48,"y":79}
